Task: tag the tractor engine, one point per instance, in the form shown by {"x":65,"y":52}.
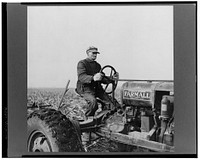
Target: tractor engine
{"x":147,"y":111}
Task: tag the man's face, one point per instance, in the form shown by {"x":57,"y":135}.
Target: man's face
{"x":92,"y":55}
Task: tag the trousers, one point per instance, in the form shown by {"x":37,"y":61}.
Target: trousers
{"x":92,"y":101}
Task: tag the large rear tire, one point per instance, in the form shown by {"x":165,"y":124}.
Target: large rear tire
{"x":51,"y":131}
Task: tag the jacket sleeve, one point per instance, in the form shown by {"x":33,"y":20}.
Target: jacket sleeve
{"x":83,"y":77}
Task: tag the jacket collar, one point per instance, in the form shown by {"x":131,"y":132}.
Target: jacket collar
{"x":89,"y":60}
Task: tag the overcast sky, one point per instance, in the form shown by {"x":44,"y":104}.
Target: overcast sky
{"x":136,"y":40}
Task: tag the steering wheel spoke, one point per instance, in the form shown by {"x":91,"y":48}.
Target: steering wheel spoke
{"x":106,"y":86}
{"x":111,"y":73}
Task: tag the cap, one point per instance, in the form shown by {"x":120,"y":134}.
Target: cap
{"x":92,"y":49}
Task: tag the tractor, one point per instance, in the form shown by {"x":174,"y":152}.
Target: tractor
{"x":145,"y":119}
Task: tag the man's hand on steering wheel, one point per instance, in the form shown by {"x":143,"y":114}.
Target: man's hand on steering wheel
{"x":115,"y":76}
{"x":98,"y":77}
{"x":101,"y":77}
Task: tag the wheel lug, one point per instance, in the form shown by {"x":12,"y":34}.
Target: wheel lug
{"x":42,"y":140}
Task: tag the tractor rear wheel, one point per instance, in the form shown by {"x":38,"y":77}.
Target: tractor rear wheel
{"x":51,"y":131}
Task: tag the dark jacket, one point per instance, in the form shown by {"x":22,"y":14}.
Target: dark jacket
{"x":86,"y":69}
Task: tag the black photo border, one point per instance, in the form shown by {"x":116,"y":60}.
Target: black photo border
{"x":14,"y":80}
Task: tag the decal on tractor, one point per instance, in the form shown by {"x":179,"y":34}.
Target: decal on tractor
{"x":129,"y":94}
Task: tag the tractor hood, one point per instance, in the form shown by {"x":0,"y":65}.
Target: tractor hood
{"x":142,"y":94}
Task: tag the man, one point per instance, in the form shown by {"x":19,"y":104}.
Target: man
{"x":89,"y":77}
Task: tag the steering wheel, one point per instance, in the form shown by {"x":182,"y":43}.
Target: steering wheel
{"x":110,"y":77}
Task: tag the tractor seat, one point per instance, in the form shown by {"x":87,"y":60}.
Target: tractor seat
{"x":86,"y":123}
{"x":93,"y":120}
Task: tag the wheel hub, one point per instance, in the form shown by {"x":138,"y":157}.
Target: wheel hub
{"x":39,"y":143}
